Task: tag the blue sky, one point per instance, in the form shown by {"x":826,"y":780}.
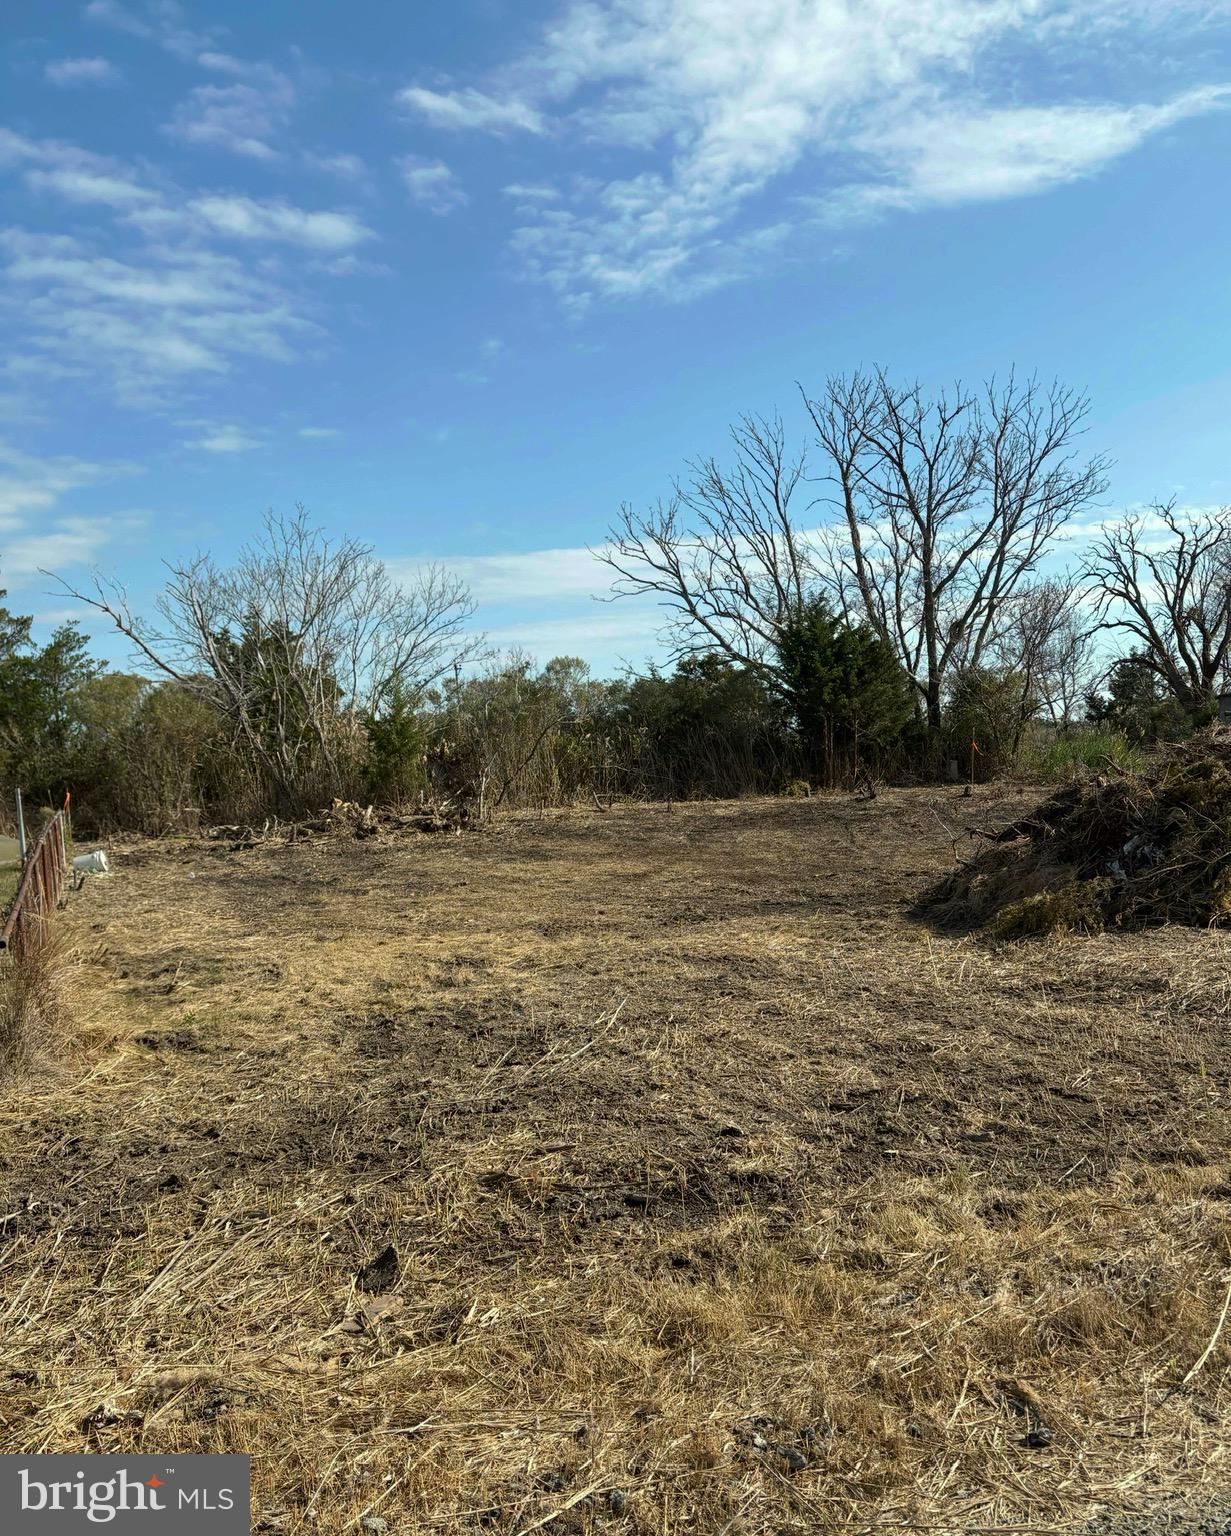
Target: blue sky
{"x":464,"y":278}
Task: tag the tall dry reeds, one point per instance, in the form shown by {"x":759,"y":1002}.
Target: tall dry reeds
{"x":35,"y":989}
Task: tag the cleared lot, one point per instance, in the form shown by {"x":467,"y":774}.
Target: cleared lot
{"x":643,"y":1171}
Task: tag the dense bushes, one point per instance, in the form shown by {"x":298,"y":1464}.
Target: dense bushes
{"x":284,"y":735}
{"x":156,"y":756}
{"x":1139,"y":705}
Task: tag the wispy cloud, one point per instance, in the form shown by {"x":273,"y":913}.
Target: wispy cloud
{"x":707,"y":107}
{"x":162,"y":22}
{"x":226,"y":439}
{"x":981,"y":155}
{"x":84,"y":186}
{"x":31,"y":484}
{"x":49,"y":165}
{"x":431,"y":183}
{"x":491,"y":349}
{"x":146,"y":322}
{"x":35,"y":533}
{"x":92,"y":71}
{"x":531,"y":192}
{"x":68,"y":542}
{"x":240,"y":118}
{"x":472,"y":109}
{"x":346,"y":167}
{"x":533,"y":575}
{"x":315,"y":434}
{"x":249,"y":218}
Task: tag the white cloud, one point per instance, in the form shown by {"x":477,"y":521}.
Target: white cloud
{"x":146,"y":322}
{"x":980,"y":155}
{"x":247,"y":218}
{"x":431,"y":183}
{"x":707,"y":106}
{"x":314,"y":434}
{"x":34,"y":533}
{"x":604,"y":637}
{"x":71,"y":541}
{"x":30,"y":484}
{"x":158,"y":21}
{"x":491,"y":348}
{"x":70,"y":172}
{"x":531,"y":192}
{"x":225,"y":439}
{"x":85,"y":186}
{"x":240,"y":118}
{"x":81,"y":72}
{"x":474,"y":109}
{"x":345,"y":167}
{"x":147,"y":299}
{"x":531,"y":576}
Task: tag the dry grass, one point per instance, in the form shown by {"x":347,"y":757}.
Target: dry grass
{"x":36,"y":983}
{"x":722,"y":1196}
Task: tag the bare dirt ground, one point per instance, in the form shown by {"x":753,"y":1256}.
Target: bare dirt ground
{"x":649,"y":1171}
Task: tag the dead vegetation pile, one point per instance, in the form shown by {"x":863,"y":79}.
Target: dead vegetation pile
{"x":348,"y":818}
{"x":1133,"y":851}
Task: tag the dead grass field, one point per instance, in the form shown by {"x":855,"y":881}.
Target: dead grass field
{"x":634,"y":1172}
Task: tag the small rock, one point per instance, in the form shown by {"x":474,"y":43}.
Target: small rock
{"x":381,"y":1307}
{"x":617,"y":1501}
{"x":374,"y":1525}
{"x":1038,"y":1439}
{"x":795,"y":1460}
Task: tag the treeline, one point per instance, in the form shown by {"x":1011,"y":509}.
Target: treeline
{"x":878,"y":641}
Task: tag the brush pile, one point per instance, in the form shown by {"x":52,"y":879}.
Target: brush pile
{"x":1133,"y":851}
{"x":348,"y":818}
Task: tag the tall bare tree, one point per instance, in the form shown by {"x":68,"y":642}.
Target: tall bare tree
{"x":725,"y":553}
{"x":295,"y":644}
{"x":948,"y":505}
{"x":1049,"y":637}
{"x":1164,"y":578}
{"x":1044,"y":647}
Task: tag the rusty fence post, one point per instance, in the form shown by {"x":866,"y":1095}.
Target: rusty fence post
{"x":39,"y":887}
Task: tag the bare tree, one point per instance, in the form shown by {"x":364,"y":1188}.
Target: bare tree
{"x":724,"y":553}
{"x":1051,"y":635}
{"x":1165,"y":579}
{"x":948,"y":504}
{"x":1044,"y":643}
{"x":295,"y":644}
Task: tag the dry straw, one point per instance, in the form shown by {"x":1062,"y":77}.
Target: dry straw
{"x":626,"y":1173}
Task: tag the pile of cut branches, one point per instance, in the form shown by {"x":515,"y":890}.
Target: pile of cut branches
{"x":350,"y":818}
{"x":1132,"y":851}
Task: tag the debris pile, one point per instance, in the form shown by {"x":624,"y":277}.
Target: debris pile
{"x":1132,"y":851}
{"x":349,"y":818}
{"x":367,"y":820}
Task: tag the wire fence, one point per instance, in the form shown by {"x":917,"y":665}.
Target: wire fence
{"x":39,"y":890}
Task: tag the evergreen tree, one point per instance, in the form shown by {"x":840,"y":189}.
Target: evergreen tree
{"x":845,"y":686}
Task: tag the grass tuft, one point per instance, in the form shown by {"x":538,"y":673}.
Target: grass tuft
{"x":35,"y":986}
